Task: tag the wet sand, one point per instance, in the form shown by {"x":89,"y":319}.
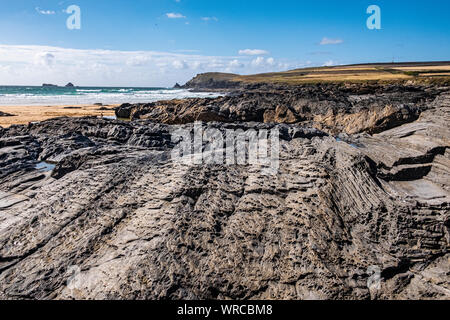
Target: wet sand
{"x":27,"y":114}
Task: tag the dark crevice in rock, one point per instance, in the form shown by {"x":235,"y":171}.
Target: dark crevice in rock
{"x":423,"y":159}
{"x":406,"y":174}
{"x":391,"y":272}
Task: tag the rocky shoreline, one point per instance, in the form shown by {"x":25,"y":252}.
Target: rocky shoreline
{"x":94,"y":208}
{"x":334,"y":108}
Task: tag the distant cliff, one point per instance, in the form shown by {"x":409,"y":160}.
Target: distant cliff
{"x":398,"y":73}
{"x":213,"y":81}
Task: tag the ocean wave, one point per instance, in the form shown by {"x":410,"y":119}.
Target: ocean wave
{"x":101,"y":95}
{"x":89,"y":90}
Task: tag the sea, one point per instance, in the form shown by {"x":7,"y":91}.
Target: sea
{"x":50,"y":96}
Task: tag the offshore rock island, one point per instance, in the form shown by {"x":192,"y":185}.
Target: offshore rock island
{"x":94,"y":208}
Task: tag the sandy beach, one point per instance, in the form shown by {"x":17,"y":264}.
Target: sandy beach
{"x":27,"y":114}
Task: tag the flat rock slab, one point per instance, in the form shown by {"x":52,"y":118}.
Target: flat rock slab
{"x":8,"y":200}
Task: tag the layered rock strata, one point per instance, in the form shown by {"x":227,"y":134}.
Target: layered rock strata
{"x":359,"y":207}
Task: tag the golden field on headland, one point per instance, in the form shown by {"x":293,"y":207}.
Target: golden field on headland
{"x":417,"y":71}
{"x":27,"y":114}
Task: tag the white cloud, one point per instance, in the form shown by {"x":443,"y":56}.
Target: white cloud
{"x":261,"y":62}
{"x":236,"y":64}
{"x":197,"y":65}
{"x":210,"y":19}
{"x":253,"y":52}
{"x":329,"y":63}
{"x":179,"y":64}
{"x":173,"y":15}
{"x":46,"y":12}
{"x":258,"y":62}
{"x":138,"y":61}
{"x":34,"y":65}
{"x":187,"y":51}
{"x":44,"y":59}
{"x":327,"y":41}
{"x":216,"y":64}
{"x":285,"y":66}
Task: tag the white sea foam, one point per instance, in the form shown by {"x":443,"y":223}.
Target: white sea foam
{"x":89,"y":90}
{"x":91,"y":96}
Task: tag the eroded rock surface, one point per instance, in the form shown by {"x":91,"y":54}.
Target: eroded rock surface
{"x":113,"y":216}
{"x":333,"y":108}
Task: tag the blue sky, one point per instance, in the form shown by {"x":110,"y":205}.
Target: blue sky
{"x":159,"y":42}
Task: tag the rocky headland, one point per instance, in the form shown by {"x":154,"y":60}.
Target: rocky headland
{"x":93,"y":208}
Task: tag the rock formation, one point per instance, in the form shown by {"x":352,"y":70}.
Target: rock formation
{"x":213,"y":80}
{"x":93,"y":208}
{"x":334,"y":108}
{"x":4,"y":114}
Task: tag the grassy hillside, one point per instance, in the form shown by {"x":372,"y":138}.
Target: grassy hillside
{"x":419,"y":71}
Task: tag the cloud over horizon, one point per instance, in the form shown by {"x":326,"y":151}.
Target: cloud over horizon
{"x":329,"y":63}
{"x":34,"y":65}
